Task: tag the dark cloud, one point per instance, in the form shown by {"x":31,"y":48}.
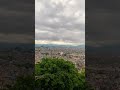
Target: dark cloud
{"x":17,"y":21}
{"x":102,"y":22}
{"x":16,"y":16}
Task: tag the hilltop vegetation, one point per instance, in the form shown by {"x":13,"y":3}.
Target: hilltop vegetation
{"x":58,"y":74}
{"x":53,"y":74}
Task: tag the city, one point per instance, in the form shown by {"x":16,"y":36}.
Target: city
{"x":73,"y":54}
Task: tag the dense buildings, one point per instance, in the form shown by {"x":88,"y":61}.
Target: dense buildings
{"x":74,"y":54}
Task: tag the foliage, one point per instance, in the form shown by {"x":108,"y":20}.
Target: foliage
{"x":53,"y":74}
{"x":24,"y":83}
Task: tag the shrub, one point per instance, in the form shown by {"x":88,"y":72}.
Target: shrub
{"x":23,"y":83}
{"x":55,"y":73}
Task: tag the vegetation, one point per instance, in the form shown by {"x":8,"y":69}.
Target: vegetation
{"x":23,"y":83}
{"x":53,"y":74}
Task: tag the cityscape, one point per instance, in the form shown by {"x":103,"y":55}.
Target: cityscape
{"x":74,"y":54}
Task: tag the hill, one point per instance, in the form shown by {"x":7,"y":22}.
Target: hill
{"x":55,"y":45}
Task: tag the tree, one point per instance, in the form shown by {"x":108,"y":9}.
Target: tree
{"x":58,"y":74}
{"x":53,"y":74}
{"x":23,"y":83}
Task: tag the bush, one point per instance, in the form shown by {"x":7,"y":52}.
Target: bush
{"x":53,"y":74}
{"x":58,"y":74}
{"x":23,"y":83}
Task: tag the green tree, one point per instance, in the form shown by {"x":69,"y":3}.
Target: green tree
{"x":23,"y":83}
{"x":53,"y":74}
{"x":58,"y":74}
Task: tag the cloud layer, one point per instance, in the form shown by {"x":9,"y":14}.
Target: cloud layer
{"x":60,"y":21}
{"x":17,"y":21}
{"x":103,"y":23}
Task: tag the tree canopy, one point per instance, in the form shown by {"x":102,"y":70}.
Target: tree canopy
{"x":58,"y":74}
{"x":54,"y":74}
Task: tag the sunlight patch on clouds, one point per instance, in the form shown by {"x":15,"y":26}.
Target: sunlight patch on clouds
{"x":55,"y":42}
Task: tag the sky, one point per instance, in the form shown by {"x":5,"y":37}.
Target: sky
{"x":103,"y":27}
{"x":60,"y":22}
{"x":17,"y":21}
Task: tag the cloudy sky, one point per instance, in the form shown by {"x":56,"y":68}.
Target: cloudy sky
{"x":104,"y":23}
{"x":60,"y":22}
{"x":17,"y":21}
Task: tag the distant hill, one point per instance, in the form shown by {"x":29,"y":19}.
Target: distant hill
{"x":7,"y":46}
{"x":104,"y":50}
{"x":55,"y":45}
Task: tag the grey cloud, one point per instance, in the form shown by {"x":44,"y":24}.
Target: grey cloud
{"x":103,"y":22}
{"x":53,"y":18}
{"x":17,"y":18}
{"x":67,"y":36}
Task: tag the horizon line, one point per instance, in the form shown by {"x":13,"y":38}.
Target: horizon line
{"x":61,"y":44}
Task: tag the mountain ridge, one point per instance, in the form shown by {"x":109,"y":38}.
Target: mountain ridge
{"x":56,"y":45}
